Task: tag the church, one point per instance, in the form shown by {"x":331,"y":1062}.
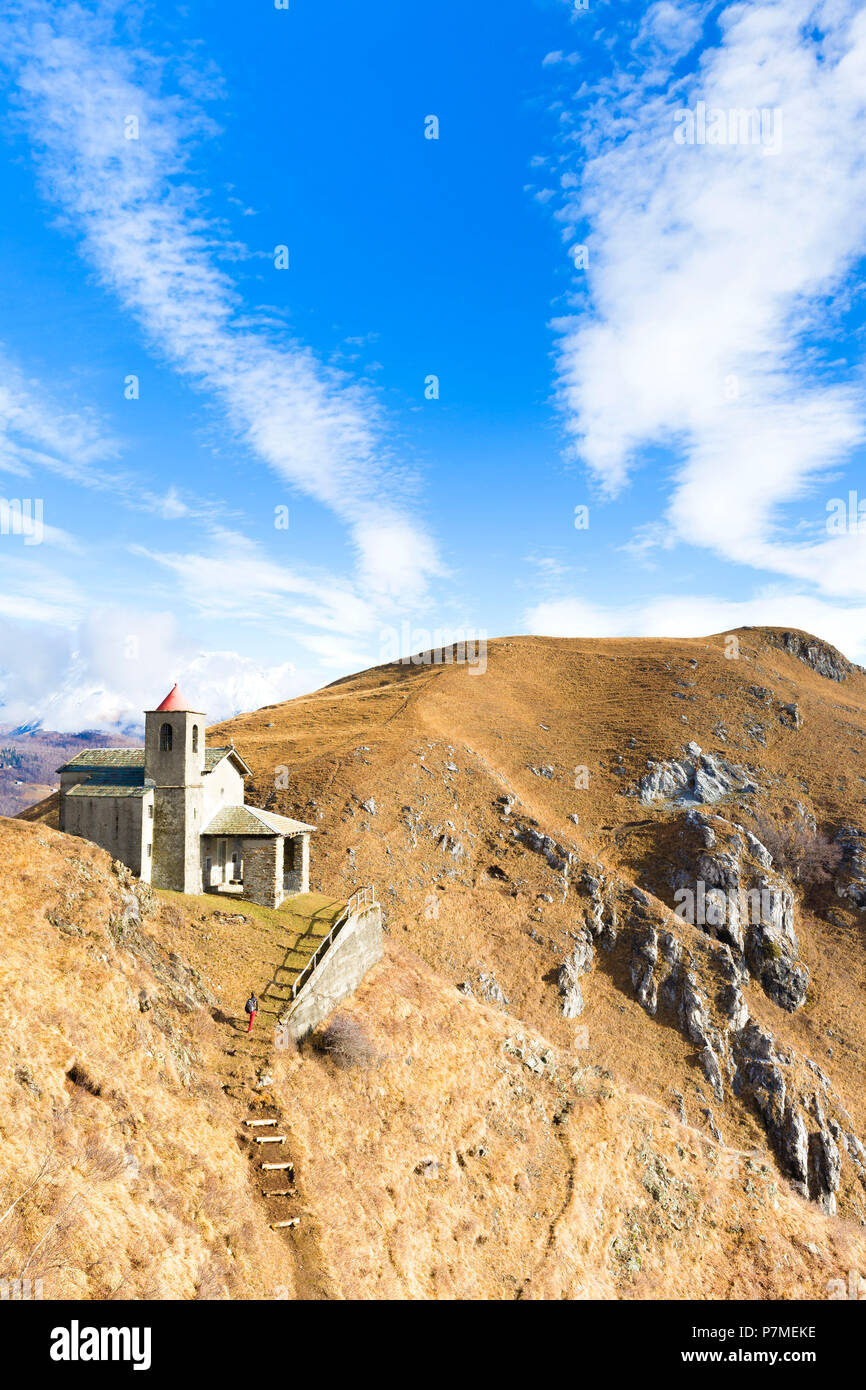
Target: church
{"x":173,"y":812}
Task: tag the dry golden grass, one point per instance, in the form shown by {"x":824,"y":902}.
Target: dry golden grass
{"x":450,"y":1168}
{"x":119,"y":1156}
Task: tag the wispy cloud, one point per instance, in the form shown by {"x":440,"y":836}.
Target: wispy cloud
{"x":147,"y":232}
{"x":233,"y":578}
{"x":36,"y":433}
{"x":711,"y":278}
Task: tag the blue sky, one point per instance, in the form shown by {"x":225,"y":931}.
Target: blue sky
{"x":694,"y":376}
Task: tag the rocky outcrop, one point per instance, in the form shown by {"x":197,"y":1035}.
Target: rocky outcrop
{"x":820,"y":656}
{"x":726,"y":887}
{"x":644,"y":955}
{"x":698,"y":985}
{"x":577,"y":964}
{"x":698,"y":778}
{"x":851,"y":879}
{"x":794,"y":1113}
{"x":601,"y":918}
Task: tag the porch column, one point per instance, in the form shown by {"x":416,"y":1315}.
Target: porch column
{"x":304,"y":875}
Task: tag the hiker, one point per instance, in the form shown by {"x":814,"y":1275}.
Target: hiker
{"x":252,"y":1008}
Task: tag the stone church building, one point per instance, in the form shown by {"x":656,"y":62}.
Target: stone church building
{"x":173,"y":812}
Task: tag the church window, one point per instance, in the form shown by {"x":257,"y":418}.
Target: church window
{"x":165,"y":739}
{"x":195,"y":738}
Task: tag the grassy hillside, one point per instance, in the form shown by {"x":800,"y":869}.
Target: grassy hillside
{"x":566,"y":1090}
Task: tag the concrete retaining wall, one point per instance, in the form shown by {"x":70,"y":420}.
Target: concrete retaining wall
{"x":355,"y":950}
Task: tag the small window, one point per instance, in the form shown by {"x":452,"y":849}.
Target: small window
{"x":165,"y":734}
{"x":149,"y":851}
{"x":150,"y":813}
{"x":195,"y":738}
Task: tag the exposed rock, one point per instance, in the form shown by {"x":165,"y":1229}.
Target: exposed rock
{"x":558,"y":857}
{"x":711,"y":1124}
{"x":851,"y":880}
{"x":127,"y":919}
{"x":24,"y":1077}
{"x":577,"y":964}
{"x":758,"y":851}
{"x":772,"y":946}
{"x":825,"y":1170}
{"x":698,"y":778}
{"x":733,"y":1007}
{"x":450,"y":844}
{"x":786,"y":983}
{"x":823,"y":658}
{"x":794,"y":1146}
{"x":693,"y":1012}
{"x":752,"y":912}
{"x":713,"y":1072}
{"x":641,"y":968}
{"x":804,"y":1139}
{"x":490,"y":989}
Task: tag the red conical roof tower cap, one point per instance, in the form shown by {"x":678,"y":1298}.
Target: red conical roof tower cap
{"x":174,"y":701}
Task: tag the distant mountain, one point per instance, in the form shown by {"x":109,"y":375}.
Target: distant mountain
{"x":30,"y":756}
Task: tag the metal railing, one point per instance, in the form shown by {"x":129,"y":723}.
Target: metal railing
{"x":364,"y":897}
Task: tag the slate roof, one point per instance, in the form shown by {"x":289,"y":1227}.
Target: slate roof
{"x":114,"y":781}
{"x":212,"y":756}
{"x":249,"y":820}
{"x":134,"y":757}
{"x":106,"y":757}
{"x":111,"y":789}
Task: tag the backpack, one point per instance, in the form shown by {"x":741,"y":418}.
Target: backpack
{"x":251,"y":1005}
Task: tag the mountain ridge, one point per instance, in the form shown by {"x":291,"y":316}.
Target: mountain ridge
{"x":531,"y":830}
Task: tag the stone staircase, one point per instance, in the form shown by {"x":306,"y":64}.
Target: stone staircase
{"x":309,"y":926}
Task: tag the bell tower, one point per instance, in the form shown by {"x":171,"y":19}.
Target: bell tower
{"x":174,"y":755}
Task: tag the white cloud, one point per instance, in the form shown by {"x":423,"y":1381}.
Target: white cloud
{"x":118,"y":661}
{"x":235,"y":579}
{"x":710,"y":270}
{"x":35,"y":433}
{"x":146,"y":232}
{"x":697,"y":615}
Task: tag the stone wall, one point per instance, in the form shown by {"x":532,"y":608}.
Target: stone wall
{"x":297,"y":860}
{"x":355,"y":950}
{"x":263,"y":869}
{"x":177,"y":838}
{"x":119,"y":824}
